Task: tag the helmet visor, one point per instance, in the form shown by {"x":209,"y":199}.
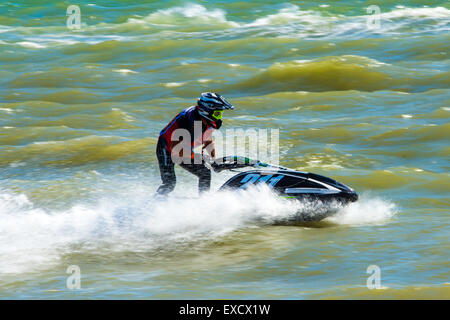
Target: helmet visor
{"x":217,"y":114}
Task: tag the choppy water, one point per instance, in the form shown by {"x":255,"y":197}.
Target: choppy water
{"x":80,"y":112}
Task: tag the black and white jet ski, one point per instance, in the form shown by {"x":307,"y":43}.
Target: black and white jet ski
{"x":285,"y":182}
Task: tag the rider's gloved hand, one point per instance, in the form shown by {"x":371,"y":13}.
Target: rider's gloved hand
{"x":215,"y":166}
{"x":210,"y":163}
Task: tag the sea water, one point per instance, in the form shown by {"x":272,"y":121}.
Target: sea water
{"x":360,"y":100}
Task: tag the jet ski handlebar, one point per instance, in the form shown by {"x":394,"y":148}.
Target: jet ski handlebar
{"x":236,"y":162}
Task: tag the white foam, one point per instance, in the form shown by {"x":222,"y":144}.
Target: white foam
{"x":365,"y":211}
{"x":17,"y":164}
{"x":7,"y":110}
{"x":289,"y":21}
{"x":32,"y":239}
{"x":173,"y":84}
{"x":189,"y":12}
{"x":290,"y":13}
{"x":306,"y":23}
{"x":30,"y":44}
{"x":438,"y":12}
{"x":4,"y":29}
{"x":124,"y":71}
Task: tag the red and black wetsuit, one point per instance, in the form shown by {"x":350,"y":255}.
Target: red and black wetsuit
{"x":184,"y":120}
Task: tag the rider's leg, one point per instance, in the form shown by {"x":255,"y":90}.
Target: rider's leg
{"x":166,"y":168}
{"x":203,"y":174}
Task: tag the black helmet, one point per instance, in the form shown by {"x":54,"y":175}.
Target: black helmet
{"x":211,"y":105}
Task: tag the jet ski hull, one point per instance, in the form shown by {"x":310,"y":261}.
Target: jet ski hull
{"x":303,"y":186}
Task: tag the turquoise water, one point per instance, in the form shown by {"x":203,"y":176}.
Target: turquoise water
{"x":80,"y":111}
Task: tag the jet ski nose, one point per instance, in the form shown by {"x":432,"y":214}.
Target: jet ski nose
{"x":353,"y":196}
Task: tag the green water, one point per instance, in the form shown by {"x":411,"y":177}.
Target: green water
{"x":80,"y":112}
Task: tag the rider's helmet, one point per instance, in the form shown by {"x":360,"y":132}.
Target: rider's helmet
{"x":210,"y":106}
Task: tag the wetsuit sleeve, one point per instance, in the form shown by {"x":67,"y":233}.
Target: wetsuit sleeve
{"x":166,"y":134}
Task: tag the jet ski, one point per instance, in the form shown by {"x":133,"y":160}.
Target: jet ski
{"x":285,"y":182}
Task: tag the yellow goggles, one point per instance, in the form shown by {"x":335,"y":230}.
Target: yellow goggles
{"x":217,"y":114}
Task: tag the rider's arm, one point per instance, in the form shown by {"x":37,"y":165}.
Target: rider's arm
{"x":210,"y":148}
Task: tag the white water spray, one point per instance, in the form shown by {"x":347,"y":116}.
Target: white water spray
{"x":34,"y":238}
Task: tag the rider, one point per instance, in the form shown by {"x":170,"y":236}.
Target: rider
{"x":207,"y":114}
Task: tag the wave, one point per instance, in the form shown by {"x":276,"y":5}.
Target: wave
{"x":394,"y":178}
{"x":413,"y":134}
{"x":78,"y":151}
{"x":194,"y":20}
{"x":33,"y":238}
{"x":297,"y":22}
{"x":338,"y":73}
{"x":415,"y":13}
{"x":188,"y":15}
